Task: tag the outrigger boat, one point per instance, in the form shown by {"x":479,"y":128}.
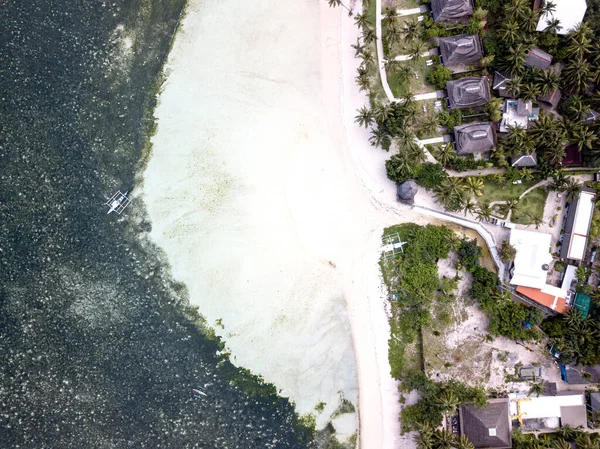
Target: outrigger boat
{"x":199,"y":392}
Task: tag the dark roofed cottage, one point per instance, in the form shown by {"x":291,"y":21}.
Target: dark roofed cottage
{"x":551,"y":99}
{"x":488,"y":427}
{"x":500,"y":84}
{"x":538,"y":58}
{"x":451,"y":11}
{"x":474,"y":137}
{"x":468,"y":92}
{"x":406,"y":191}
{"x":462,"y":50}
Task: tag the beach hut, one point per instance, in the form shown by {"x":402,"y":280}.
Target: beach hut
{"x":406,"y":191}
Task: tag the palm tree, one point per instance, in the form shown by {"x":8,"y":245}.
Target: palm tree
{"x":577,"y":75}
{"x":400,"y":167}
{"x":510,"y":31}
{"x":369,"y":35}
{"x":416,"y":51}
{"x":485,"y":212}
{"x":404,"y":72}
{"x":447,"y":400}
{"x":553,"y":26}
{"x":536,"y":220}
{"x":445,"y":153}
{"x":530,"y":21}
{"x":429,"y":124}
{"x":516,"y":9}
{"x":473,"y":185}
{"x":548,"y":7}
{"x":527,"y":174}
{"x":572,"y":189}
{"x":377,"y":136}
{"x":560,"y":444}
{"x":358,"y":48}
{"x":511,"y":206}
{"x":364,"y":117}
{"x":530,"y":91}
{"x":584,"y":137}
{"x":411,"y":30}
{"x":363,"y":82}
{"x":542,"y":126}
{"x":566,"y":432}
{"x":362,"y":20}
{"x":585,"y":442}
{"x":462,"y":442}
{"x":382,"y":111}
{"x":392,"y":34}
{"x":577,"y":109}
{"x":514,"y":59}
{"x":390,"y":16}
{"x":335,"y":3}
{"x":443,"y":439}
{"x":470,"y":206}
{"x":486,"y":61}
{"x":537,"y":388}
{"x":514,"y":85}
{"x":423,"y":440}
{"x":547,"y":80}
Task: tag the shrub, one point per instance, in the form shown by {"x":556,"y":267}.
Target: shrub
{"x":507,"y":252}
{"x":469,"y":253}
{"x":440,"y":76}
{"x":430,"y":175}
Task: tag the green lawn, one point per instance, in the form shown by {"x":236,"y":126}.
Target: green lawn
{"x":401,"y":4}
{"x":531,"y":204}
{"x":493,"y":191}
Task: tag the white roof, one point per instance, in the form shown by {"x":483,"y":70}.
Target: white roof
{"x":581,"y":225}
{"x":557,"y":292}
{"x":569,"y":276}
{"x":544,"y":406}
{"x":569,"y":12}
{"x":533,"y":251}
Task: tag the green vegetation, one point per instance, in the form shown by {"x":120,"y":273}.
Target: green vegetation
{"x":576,"y":338}
{"x":530,"y":209}
{"x":507,"y":318}
{"x":430,"y":175}
{"x":435,"y":400}
{"x":502,"y":190}
{"x":508,"y":252}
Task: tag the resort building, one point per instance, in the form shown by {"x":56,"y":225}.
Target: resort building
{"x":577,"y":226}
{"x":570,"y":13}
{"x":474,"y":138}
{"x":551,"y":99}
{"x":524,"y":160}
{"x":460,"y":52}
{"x":468,"y":92}
{"x":487,"y":427}
{"x":451,"y":11}
{"x":530,"y":270}
{"x":500,"y":84}
{"x":538,"y":58}
{"x":517,"y":113}
{"x":590,"y":117}
{"x":548,"y":412}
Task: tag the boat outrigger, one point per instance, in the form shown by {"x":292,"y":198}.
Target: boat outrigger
{"x":118,"y":202}
{"x":199,"y":392}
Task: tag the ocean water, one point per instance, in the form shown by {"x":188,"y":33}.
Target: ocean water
{"x":95,"y":348}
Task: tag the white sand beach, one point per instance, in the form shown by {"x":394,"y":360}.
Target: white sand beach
{"x":269,"y":203}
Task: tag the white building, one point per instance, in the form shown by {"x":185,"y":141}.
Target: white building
{"x":569,"y":12}
{"x":532,"y":259}
{"x":577,"y":226}
{"x":549,"y":412}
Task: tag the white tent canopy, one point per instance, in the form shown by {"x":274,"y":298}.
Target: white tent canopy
{"x":569,"y":12}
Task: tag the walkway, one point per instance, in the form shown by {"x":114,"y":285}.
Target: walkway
{"x":408,"y":57}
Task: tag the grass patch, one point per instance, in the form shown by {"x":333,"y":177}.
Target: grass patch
{"x":402,"y":4}
{"x":531,"y":205}
{"x":492,"y":191}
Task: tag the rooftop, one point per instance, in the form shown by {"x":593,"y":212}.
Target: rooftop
{"x":532,"y":259}
{"x":569,"y":12}
{"x":546,"y":412}
{"x":551,"y":99}
{"x":468,"y":92}
{"x":552,"y":297}
{"x":517,"y":113}
{"x":500,"y":84}
{"x":577,"y":226}
{"x":524,"y":160}
{"x":488,"y":427}
{"x":460,"y":51}
{"x":407,"y":190}
{"x":538,"y":58}
{"x":451,"y":11}
{"x":474,"y":137}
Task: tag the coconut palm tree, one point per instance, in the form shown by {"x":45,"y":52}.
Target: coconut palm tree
{"x":553,"y":26}
{"x":411,"y":30}
{"x":400,"y":167}
{"x":584,"y":137}
{"x":335,"y":3}
{"x":429,"y":125}
{"x":462,"y":442}
{"x":511,"y":205}
{"x":577,"y":75}
{"x":537,"y":220}
{"x":572,"y":188}
{"x":470,"y":206}
{"x":416,"y":51}
{"x":566,"y":432}
{"x":542,"y":126}
{"x":473,"y":186}
{"x":514,"y":85}
{"x":514,"y":59}
{"x":485,"y":211}
{"x":445,"y":153}
{"x":404,"y":73}
{"x":362,"y":20}
{"x":363,"y":82}
{"x":547,"y":80}
{"x":577,"y":109}
{"x":548,"y":7}
{"x":364,"y":117}
{"x":560,"y":443}
{"x":443,"y":439}
{"x":516,"y":10}
{"x":423,"y":440}
{"x":530,"y":91}
{"x":358,"y":48}
{"x":447,"y":400}
{"x":382,"y":111}
{"x":369,"y":35}
{"x":530,"y":21}
{"x":393,"y":34}
{"x":510,"y":31}
{"x":377,"y":136}
{"x":537,"y":388}
{"x":390,"y":16}
{"x":585,"y":442}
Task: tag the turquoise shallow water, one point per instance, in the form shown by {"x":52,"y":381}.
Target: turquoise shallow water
{"x":95,"y":348}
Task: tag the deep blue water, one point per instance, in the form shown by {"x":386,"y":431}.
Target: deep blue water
{"x":96,"y":350}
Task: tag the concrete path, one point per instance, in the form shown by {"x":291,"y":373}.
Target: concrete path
{"x":408,"y":57}
{"x":378,"y":32}
{"x":409,"y":12}
{"x":427,"y":96}
{"x":432,"y":140}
